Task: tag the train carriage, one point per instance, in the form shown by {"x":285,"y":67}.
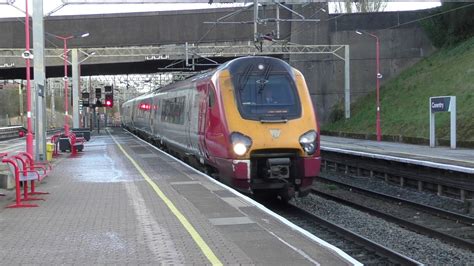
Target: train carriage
{"x":250,"y":122}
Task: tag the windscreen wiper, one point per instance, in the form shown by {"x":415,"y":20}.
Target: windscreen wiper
{"x":264,"y":81}
{"x":244,"y":77}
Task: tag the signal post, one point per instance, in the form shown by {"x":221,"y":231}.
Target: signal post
{"x":109,"y":100}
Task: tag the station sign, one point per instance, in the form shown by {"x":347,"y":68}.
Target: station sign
{"x":440,"y":104}
{"x":40,"y":90}
{"x":7,"y":65}
{"x":157,"y":57}
{"x":443,"y":104}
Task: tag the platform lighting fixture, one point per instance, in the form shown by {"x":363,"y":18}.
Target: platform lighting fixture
{"x":65,"y":78}
{"x":378,"y":76}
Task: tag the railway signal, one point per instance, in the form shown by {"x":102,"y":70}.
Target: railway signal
{"x":109,"y":96}
{"x":98,"y":93}
{"x":108,"y":89}
{"x":109,"y":100}
{"x":85,"y":99}
{"x":98,"y":103}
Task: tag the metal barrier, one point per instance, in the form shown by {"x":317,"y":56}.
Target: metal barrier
{"x":12,"y":132}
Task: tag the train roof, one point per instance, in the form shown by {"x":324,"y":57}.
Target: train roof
{"x":232,"y":64}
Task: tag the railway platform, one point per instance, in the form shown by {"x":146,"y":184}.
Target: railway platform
{"x":122,"y":201}
{"x":460,"y":159}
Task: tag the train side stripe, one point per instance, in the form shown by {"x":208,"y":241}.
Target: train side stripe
{"x":186,"y":224}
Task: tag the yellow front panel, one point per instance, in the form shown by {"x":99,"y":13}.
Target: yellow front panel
{"x":261,"y":133}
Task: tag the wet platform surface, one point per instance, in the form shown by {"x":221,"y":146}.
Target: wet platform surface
{"x":122,"y":201}
{"x":441,"y":157}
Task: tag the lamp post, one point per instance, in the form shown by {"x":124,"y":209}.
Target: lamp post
{"x":378,"y":76}
{"x":65,"y":78}
{"x":27,"y":55}
{"x":20,"y":94}
{"x":76,"y":81}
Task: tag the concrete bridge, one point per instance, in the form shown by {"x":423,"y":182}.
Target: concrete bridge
{"x":144,"y":43}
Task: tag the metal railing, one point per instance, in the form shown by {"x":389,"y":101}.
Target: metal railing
{"x":11,"y":132}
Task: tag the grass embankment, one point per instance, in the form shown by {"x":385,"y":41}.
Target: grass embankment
{"x":404,"y":99}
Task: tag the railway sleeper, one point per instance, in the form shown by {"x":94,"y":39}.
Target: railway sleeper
{"x":410,"y":181}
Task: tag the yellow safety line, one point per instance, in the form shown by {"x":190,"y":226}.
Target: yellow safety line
{"x":194,"y":234}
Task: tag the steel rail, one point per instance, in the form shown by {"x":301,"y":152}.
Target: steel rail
{"x":429,"y":209}
{"x":444,"y":180}
{"x":407,"y":224}
{"x":369,"y":245}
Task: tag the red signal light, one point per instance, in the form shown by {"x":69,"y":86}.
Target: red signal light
{"x":109,"y":100}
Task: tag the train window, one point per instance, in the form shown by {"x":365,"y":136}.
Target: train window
{"x":173,"y":110}
{"x":268,"y":97}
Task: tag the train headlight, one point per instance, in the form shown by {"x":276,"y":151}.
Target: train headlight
{"x":308,"y":142}
{"x":240,"y":143}
{"x":240,"y":149}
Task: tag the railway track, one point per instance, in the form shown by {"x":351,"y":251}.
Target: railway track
{"x":358,"y":247}
{"x":454,"y":182}
{"x":453,"y":228}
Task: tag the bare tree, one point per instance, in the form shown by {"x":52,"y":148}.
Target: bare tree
{"x":354,"y":6}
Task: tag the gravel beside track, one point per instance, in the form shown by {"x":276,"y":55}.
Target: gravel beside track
{"x":421,"y":248}
{"x":404,"y":193}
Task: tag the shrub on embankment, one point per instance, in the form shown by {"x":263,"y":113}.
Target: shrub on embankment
{"x":450,"y":24}
{"x":404,"y":100}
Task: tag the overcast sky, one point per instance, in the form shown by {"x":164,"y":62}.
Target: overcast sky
{"x":49,"y":5}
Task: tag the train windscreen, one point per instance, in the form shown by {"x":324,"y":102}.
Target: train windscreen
{"x":265,"y":90}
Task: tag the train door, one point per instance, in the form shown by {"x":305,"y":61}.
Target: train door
{"x":203,"y":92}
{"x":153,"y":108}
{"x":188,"y":117}
{"x":132,"y":113}
{"x":193,"y":121}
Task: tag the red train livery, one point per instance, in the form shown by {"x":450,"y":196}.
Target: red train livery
{"x":250,"y":123}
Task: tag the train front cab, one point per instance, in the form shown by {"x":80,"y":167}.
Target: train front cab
{"x":275,"y":147}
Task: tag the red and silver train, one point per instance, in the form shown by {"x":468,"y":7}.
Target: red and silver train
{"x":250,"y":123}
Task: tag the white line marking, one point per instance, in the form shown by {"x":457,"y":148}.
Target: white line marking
{"x":463,"y":169}
{"x":302,"y":253}
{"x":380,"y":150}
